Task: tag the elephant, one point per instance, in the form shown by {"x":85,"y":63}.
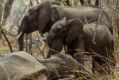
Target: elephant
{"x":67,"y":33}
{"x":43,"y":16}
{"x":77,"y":37}
{"x":100,"y":41}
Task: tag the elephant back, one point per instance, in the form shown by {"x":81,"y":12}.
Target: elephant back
{"x":97,"y":33}
{"x":57,"y":13}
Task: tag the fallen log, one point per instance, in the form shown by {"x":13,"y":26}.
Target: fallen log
{"x":22,"y":66}
{"x":64,"y":67}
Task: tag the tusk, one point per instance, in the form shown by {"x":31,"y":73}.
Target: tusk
{"x":19,"y":35}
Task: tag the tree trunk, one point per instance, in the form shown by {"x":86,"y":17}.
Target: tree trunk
{"x":85,"y":2}
{"x":7,"y":8}
{"x":5,"y":13}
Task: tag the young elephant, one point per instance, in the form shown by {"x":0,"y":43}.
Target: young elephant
{"x":99,"y":40}
{"x":92,"y":37}
{"x":68,"y":33}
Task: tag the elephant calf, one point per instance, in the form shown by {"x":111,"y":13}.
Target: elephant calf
{"x":69,"y":33}
{"x":77,"y":37}
{"x":100,"y":41}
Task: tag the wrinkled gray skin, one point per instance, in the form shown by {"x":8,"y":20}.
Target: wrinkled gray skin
{"x":36,"y":18}
{"x":71,"y":34}
{"x":68,"y":33}
{"x":43,"y":16}
{"x":99,"y":39}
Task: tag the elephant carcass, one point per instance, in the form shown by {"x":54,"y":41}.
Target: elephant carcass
{"x":22,"y":66}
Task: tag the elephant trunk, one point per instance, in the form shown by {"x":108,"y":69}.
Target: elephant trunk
{"x":21,"y":31}
{"x":21,"y":42}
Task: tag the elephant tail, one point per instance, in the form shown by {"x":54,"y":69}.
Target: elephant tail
{"x":19,"y":35}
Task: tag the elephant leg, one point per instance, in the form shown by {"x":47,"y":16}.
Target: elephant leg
{"x":21,"y":42}
{"x":103,"y":64}
{"x":26,"y":41}
{"x":111,"y":53}
{"x":76,"y":55}
{"x":79,"y":56}
{"x":75,"y":48}
{"x":98,"y":66}
{"x":55,"y":47}
{"x":111,"y":57}
{"x":101,"y":67}
{"x":98,"y":62}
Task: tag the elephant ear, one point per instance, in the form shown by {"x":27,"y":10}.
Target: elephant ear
{"x":60,"y":24}
{"x":32,"y":13}
{"x":57,"y":13}
{"x":74,"y":29}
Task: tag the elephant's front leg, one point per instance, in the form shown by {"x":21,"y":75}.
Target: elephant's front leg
{"x":100,"y":67}
{"x":111,"y":57}
{"x":104,"y":62}
{"x":75,"y":49}
{"x":21,"y":42}
{"x":55,"y":46}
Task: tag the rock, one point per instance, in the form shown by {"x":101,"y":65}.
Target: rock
{"x":20,"y":66}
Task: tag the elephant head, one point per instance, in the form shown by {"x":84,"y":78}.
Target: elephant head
{"x":35,"y":18}
{"x":41,"y":18}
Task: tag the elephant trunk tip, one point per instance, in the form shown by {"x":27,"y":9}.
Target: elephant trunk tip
{"x":19,"y":35}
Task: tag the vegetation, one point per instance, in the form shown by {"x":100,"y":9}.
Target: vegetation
{"x":11,"y":12}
